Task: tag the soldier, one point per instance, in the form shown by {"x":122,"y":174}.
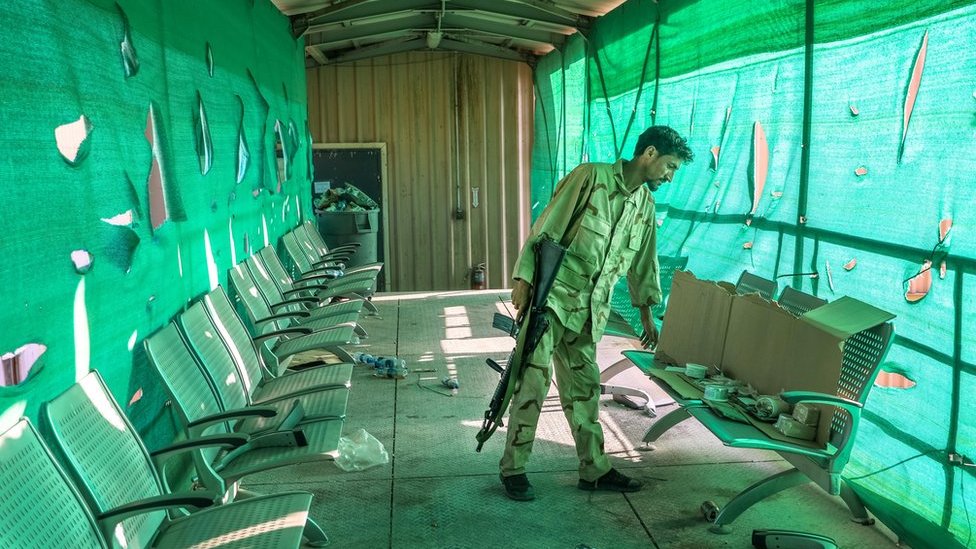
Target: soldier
{"x":603,"y":214}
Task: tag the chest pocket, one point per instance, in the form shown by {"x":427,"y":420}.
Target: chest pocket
{"x":590,"y":243}
{"x":634,"y":242}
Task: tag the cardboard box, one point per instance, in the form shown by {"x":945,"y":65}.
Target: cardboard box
{"x":774,"y":351}
{"x":757,"y":342}
{"x":696,"y":321}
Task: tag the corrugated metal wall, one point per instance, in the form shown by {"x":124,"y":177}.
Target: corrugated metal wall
{"x":478,"y":159}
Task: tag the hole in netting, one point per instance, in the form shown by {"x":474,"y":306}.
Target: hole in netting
{"x":72,"y":140}
{"x":893,"y":380}
{"x":292,"y":141}
{"x":130,"y":61}
{"x":16,"y":365}
{"x":282,"y":153}
{"x":123,"y":219}
{"x":201,"y":134}
{"x":158,"y":211}
{"x":83,"y":260}
{"x":309,"y":166}
{"x":920,"y":284}
{"x":136,"y":396}
{"x":243,"y":152}
{"x":209,"y":58}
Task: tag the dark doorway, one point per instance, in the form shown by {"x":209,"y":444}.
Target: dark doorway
{"x":360,"y":165}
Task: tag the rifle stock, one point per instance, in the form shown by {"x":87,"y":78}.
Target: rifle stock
{"x":549,"y":256}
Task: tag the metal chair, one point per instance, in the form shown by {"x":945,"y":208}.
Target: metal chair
{"x":862,"y":358}
{"x":754,"y":284}
{"x":798,"y":302}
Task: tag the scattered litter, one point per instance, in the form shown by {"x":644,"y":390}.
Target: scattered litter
{"x":348,"y":199}
{"x":360,"y":451}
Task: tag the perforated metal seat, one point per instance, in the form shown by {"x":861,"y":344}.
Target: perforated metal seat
{"x":204,"y":406}
{"x":302,"y":258}
{"x":37,"y":501}
{"x":117,"y":479}
{"x":309,"y":310}
{"x":753,"y":284}
{"x":798,"y":302}
{"x":280,"y":339}
{"x":321,"y":390}
{"x":312,"y":285}
{"x":317,"y":251}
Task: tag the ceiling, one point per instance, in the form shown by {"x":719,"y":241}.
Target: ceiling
{"x":340,"y":31}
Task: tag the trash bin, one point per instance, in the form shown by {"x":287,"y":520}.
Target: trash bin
{"x":338,"y":228}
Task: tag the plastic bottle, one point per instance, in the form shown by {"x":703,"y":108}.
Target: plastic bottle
{"x":452,"y":384}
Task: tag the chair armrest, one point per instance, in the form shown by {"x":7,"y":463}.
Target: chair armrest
{"x":157,"y":503}
{"x":287,"y":315}
{"x":294,"y":301}
{"x":311,"y":277}
{"x":238,"y":413}
{"x":330,"y":259}
{"x":339,"y":252}
{"x":351,"y":246}
{"x":794,"y":397}
{"x":327,"y":270}
{"x":300,"y":291}
{"x":278,"y":333}
{"x":224,"y":440}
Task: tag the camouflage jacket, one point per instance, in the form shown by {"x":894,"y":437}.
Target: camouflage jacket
{"x":607,"y":232}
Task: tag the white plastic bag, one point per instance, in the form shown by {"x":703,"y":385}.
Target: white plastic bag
{"x":360,"y":451}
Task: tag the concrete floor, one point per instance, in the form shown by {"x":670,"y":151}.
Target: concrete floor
{"x":437,"y":492}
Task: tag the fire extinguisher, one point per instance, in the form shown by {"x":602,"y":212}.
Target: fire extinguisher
{"x":478,"y":277}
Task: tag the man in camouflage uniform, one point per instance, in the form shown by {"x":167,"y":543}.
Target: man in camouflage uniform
{"x":604,"y":215}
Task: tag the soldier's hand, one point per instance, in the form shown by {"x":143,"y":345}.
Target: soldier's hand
{"x":649,"y":337}
{"x":521,"y":294}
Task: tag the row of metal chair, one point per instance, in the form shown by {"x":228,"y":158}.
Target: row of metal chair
{"x":310,"y":256}
{"x":90,"y":481}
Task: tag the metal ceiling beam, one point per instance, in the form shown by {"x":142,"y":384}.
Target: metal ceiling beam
{"x":385,"y":48}
{"x":466,"y":45}
{"x":452,"y":21}
{"x":317,"y":55}
{"x":359,"y":9}
{"x":357,"y":42}
{"x":531,"y":10}
{"x":461,"y":20}
{"x":411,"y":20}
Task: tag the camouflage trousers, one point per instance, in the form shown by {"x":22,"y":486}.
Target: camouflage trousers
{"x":578,"y":381}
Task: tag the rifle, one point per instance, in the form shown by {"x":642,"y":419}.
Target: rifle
{"x":528,"y":328}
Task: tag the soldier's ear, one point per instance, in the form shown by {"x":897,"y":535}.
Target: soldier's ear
{"x":650,"y":152}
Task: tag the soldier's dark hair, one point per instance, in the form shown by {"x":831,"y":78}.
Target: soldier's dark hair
{"x":666,"y":140}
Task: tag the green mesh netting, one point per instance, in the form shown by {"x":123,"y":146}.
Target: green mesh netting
{"x":862,"y":211}
{"x":210,"y":72}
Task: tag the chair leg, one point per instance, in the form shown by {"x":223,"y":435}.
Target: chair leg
{"x":314,"y":534}
{"x":859,"y":513}
{"x":755,"y":493}
{"x":612,"y":370}
{"x":622,"y":395}
{"x":666,"y":422}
